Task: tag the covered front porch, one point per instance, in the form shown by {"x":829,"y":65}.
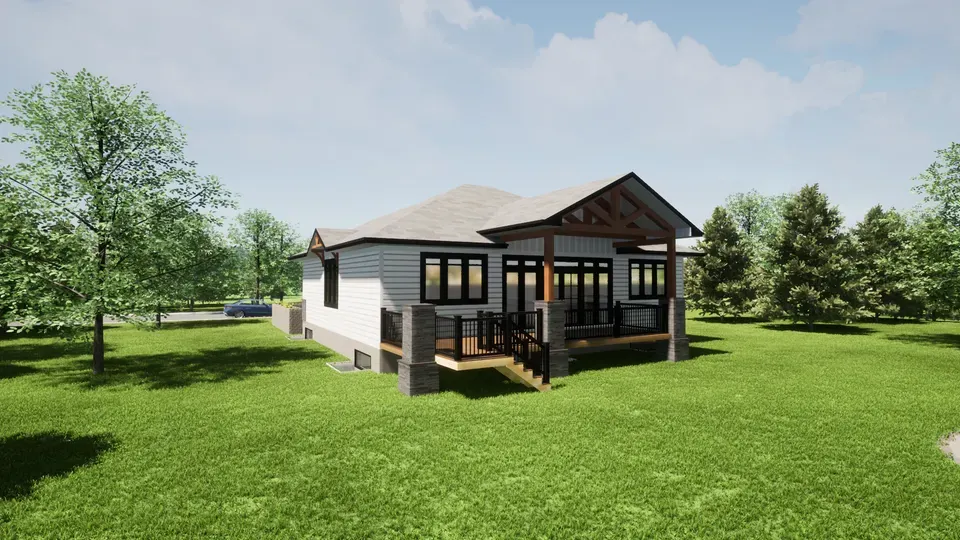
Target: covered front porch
{"x":552,"y":305}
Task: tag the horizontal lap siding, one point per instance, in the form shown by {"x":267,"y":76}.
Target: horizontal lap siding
{"x":358,"y":313}
{"x":312,"y":288}
{"x":401,"y":278}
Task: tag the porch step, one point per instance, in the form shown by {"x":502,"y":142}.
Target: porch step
{"x":518,"y":374}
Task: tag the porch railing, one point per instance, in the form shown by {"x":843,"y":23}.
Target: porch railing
{"x":517,"y":334}
{"x":618,"y":321}
{"x":391,"y":327}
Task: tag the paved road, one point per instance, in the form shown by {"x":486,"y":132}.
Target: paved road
{"x":184,"y":316}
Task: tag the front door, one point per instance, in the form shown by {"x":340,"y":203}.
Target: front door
{"x":522,"y":283}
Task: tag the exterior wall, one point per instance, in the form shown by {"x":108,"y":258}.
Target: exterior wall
{"x":355,"y":324}
{"x":388,"y":275}
{"x":401,"y":278}
{"x":401,"y":270}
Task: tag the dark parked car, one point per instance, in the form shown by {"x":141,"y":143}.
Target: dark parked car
{"x":248,"y":308}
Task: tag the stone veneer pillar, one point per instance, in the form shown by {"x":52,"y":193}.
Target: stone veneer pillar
{"x":679,"y":346}
{"x":554,"y":333}
{"x":418,"y":370}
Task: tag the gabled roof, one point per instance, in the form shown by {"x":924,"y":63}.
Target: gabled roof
{"x":549,"y":208}
{"x":473,"y":215}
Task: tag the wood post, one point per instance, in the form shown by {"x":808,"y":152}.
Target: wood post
{"x":548,"y":266}
{"x":671,"y":267}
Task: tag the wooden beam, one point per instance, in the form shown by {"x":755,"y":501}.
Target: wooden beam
{"x":601,"y":231}
{"x":636,"y":215}
{"x":573,"y":219}
{"x":600,"y":214}
{"x":657,"y":218}
{"x":615,"y":205}
{"x":671,"y":268}
{"x":548,"y":266}
{"x":634,"y":243}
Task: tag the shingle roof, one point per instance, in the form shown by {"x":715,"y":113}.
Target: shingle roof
{"x":461,"y":214}
{"x":454,"y":216}
{"x":532,"y":209}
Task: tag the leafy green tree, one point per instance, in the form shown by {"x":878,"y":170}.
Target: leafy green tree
{"x":937,"y":247}
{"x":105,"y":171}
{"x":757,"y":217}
{"x":936,"y":233}
{"x":940,"y":185}
{"x":812,"y":277}
{"x":264,"y":243}
{"x":886,"y":260}
{"x":717,"y":282}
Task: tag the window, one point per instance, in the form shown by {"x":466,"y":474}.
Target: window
{"x":331,"y":283}
{"x":452,"y":278}
{"x":648,"y":279}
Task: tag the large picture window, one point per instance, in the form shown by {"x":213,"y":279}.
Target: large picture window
{"x":453,"y":278}
{"x":648,"y":279}
{"x":331,"y":283}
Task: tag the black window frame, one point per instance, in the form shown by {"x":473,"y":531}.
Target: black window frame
{"x":580,"y":269}
{"x":331,"y":287}
{"x":464,"y":299}
{"x":639,"y":294}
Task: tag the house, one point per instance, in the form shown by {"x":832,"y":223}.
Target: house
{"x":481,"y":278}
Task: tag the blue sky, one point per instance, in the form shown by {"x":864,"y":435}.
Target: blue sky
{"x":332,"y":113}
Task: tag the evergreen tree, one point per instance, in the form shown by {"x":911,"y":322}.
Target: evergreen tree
{"x":812,"y":277}
{"x":887,"y":263}
{"x":717,"y":282}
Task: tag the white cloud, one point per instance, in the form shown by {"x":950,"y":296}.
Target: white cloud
{"x":387,"y":102}
{"x":862,"y":22}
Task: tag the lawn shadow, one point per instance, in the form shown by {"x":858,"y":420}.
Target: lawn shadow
{"x":835,"y":329}
{"x":479,"y":383}
{"x":176,"y":370}
{"x":702,"y":339}
{"x":700,"y":352}
{"x":29,"y":458}
{"x":950,"y":341}
{"x":11,"y":371}
{"x":596,"y":361}
{"x":30,"y":351}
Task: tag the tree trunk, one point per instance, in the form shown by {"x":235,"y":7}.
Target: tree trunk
{"x":158,"y":316}
{"x":191,"y":304}
{"x":98,"y":344}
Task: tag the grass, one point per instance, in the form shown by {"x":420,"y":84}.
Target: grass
{"x":231,"y":430}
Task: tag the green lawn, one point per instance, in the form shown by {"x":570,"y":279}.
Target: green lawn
{"x":231,"y":430}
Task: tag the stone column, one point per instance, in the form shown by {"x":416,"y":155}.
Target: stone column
{"x":418,"y":370}
{"x":554,"y":334}
{"x":679,"y":346}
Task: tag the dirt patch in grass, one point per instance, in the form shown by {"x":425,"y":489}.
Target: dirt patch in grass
{"x":951,"y":447}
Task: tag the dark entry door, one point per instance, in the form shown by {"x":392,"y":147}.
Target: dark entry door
{"x":522,"y":283}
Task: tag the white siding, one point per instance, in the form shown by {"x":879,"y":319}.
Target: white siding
{"x":401,"y":278}
{"x":358,"y":313}
{"x":401,"y":270}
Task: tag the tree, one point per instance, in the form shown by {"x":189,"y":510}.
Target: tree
{"x":940,"y":185}
{"x":812,"y":277}
{"x":937,"y":246}
{"x":105,"y":171}
{"x":936,"y":233}
{"x":886,"y":260}
{"x":264,"y":243}
{"x":717,"y":282}
{"x":758,"y":218}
